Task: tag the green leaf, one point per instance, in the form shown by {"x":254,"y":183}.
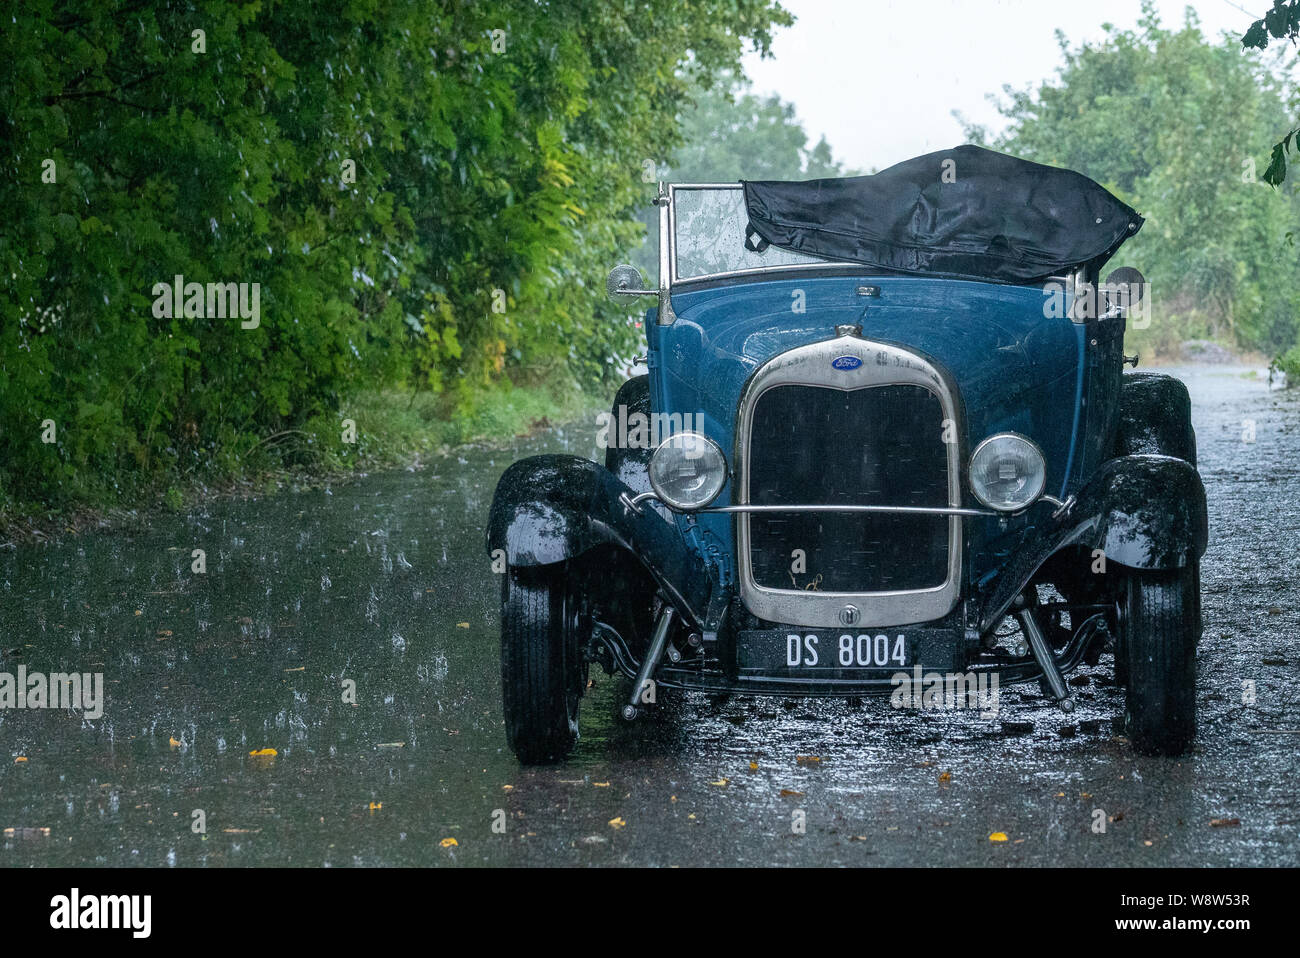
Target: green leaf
{"x":1276,"y":172}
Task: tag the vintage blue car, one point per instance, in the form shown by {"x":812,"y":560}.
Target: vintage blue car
{"x":886,"y":430}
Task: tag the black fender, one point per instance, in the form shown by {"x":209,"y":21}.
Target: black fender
{"x":1155,"y":417}
{"x":553,"y":508}
{"x":630,"y":464}
{"x":1148,"y":512}
{"x":1143,"y":512}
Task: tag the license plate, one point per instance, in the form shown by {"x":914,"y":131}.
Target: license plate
{"x":805,"y":651}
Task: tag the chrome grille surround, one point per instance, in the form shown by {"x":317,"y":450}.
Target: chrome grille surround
{"x":881,"y":364}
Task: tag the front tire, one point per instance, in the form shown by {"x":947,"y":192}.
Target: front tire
{"x":541,"y":664}
{"x":1162,"y":623}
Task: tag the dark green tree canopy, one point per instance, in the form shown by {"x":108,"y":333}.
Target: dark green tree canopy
{"x":427,"y":195}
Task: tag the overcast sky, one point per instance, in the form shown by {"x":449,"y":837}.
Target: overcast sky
{"x":880,"y":78}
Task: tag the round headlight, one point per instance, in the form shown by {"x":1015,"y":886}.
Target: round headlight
{"x":688,"y":471}
{"x":1007,"y":472}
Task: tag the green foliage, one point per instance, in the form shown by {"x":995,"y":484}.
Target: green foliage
{"x":1282,"y":22}
{"x":1143,"y":113}
{"x":497,"y":145}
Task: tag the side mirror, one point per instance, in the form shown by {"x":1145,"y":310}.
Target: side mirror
{"x":626,"y":281}
{"x":1125,"y":287}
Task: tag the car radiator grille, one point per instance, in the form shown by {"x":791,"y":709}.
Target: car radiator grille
{"x":880,"y":445}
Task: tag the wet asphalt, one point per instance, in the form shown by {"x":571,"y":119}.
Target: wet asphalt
{"x":383,"y":582}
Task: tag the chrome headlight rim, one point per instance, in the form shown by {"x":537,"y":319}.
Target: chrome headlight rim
{"x":1003,"y":507}
{"x":710,"y":448}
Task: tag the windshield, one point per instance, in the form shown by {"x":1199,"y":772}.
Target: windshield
{"x":709,"y":235}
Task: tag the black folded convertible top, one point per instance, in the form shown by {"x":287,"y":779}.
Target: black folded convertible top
{"x":967,"y":213}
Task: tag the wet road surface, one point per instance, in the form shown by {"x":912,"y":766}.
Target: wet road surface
{"x":383,"y":583}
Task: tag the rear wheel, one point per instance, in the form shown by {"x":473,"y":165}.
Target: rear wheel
{"x":541,"y":663}
{"x":1157,"y":657}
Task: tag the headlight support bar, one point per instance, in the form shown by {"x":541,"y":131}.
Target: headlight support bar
{"x":633,"y":503}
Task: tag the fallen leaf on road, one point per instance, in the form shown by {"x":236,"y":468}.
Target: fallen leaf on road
{"x":27,"y":833}
{"x":174,"y":743}
{"x":998,"y":837}
{"x":462,"y":625}
{"x":601,"y":784}
{"x":617,"y":822}
{"x":20,"y":758}
{"x":448,"y":843}
{"x":262,"y":752}
{"x":945,"y":778}
{"x":376,"y":806}
{"x":753,"y":766}
{"x":1148,"y":844}
{"x":721,"y":783}
{"x":807,"y":759}
{"x":789,"y":791}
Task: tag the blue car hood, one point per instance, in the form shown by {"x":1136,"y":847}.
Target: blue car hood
{"x":1013,"y":367}
{"x":1011,"y":352}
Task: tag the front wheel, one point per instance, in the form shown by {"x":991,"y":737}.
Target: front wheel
{"x":541,"y":664}
{"x":1157,"y":656}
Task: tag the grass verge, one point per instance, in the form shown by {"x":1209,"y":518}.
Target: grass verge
{"x":373,"y":430}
